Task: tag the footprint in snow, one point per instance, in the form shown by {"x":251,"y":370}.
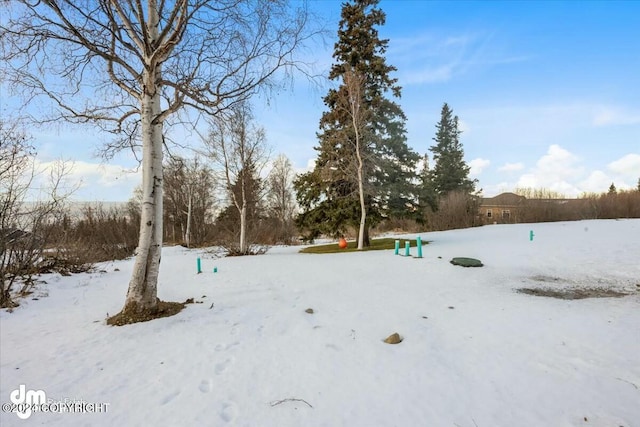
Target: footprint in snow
{"x":206,"y":386}
{"x":168,"y":398}
{"x":223,"y":346}
{"x":229,"y":412}
{"x":234,"y":329}
{"x":223,"y":366}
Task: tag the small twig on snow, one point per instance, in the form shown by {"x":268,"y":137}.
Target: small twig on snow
{"x":628,"y":382}
{"x":278,"y":402}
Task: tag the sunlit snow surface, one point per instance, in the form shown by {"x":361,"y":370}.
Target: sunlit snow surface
{"x":474,"y":353}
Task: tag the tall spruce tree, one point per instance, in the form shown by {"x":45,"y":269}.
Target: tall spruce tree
{"x":328,"y":195}
{"x":450,"y":172}
{"x":427,"y":195}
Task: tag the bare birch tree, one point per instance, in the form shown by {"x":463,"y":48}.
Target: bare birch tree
{"x":188,"y":199}
{"x":238,"y":148}
{"x":131,"y":65}
{"x":281,"y":197}
{"x":351,"y":100}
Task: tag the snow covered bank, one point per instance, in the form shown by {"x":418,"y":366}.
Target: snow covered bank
{"x":475,"y":352}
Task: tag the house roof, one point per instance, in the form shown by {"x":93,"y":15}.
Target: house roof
{"x":504,"y":199}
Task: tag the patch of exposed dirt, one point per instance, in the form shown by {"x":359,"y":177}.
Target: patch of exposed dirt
{"x":547,"y":279}
{"x":132,"y":314}
{"x":574,"y":293}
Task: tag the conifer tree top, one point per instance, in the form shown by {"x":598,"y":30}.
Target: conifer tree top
{"x":451,"y":172}
{"x":360,"y":47}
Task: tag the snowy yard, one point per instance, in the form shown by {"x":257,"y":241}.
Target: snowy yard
{"x":475,"y":352}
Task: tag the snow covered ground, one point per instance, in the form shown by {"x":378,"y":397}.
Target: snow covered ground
{"x":475,"y":353}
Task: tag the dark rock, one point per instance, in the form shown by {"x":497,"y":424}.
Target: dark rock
{"x":466,"y":262}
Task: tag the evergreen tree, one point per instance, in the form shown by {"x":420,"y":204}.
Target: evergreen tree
{"x":450,"y":173}
{"x":427,"y":193}
{"x":328,"y":195}
{"x":612,"y":189}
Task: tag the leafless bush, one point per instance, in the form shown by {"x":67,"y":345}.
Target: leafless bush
{"x":457,"y":209}
{"x":23,"y":232}
{"x":188,"y":201}
{"x":227,"y":232}
{"x":98,"y":234}
{"x":546,"y":206}
{"x":398,"y":225}
{"x":273,"y":231}
{"x":623,"y":204}
{"x":228,"y":238}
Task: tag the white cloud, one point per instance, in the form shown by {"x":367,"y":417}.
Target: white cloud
{"x":562,"y":172}
{"x":433,"y":58}
{"x":439,"y":74}
{"x":311,"y":164}
{"x":94,"y":181}
{"x":477,"y":166}
{"x":555,"y":171}
{"x":463,"y":126}
{"x":557,"y":161}
{"x":429,"y":58}
{"x":614,"y":116}
{"x":627,"y":166}
{"x":597,"y":182}
{"x":511,"y":167}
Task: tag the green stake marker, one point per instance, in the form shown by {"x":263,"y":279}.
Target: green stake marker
{"x":531,"y":236}
{"x":407,"y":248}
{"x":199,"y":264}
{"x":215,"y":269}
{"x":397,"y":247}
{"x":419,"y":244}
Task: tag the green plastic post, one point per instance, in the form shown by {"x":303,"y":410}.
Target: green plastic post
{"x":407,"y":248}
{"x":199,"y":266}
{"x":419,"y":245}
{"x":397,"y":247}
{"x":215,"y":269}
{"x":531,"y":236}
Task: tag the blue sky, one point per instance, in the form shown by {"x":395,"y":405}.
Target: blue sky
{"x":547,"y":92}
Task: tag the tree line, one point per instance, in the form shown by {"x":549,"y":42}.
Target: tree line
{"x":138,"y":68}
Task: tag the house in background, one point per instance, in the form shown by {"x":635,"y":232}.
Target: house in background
{"x":505,"y":208}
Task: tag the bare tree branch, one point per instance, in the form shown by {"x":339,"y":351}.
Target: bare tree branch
{"x":131,"y":65}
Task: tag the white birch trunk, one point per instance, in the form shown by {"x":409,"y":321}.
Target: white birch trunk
{"x":189,"y":209}
{"x":243,"y":228}
{"x":354,"y":98}
{"x":363,"y":211}
{"x":355,"y":118}
{"x":142,"y":293}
